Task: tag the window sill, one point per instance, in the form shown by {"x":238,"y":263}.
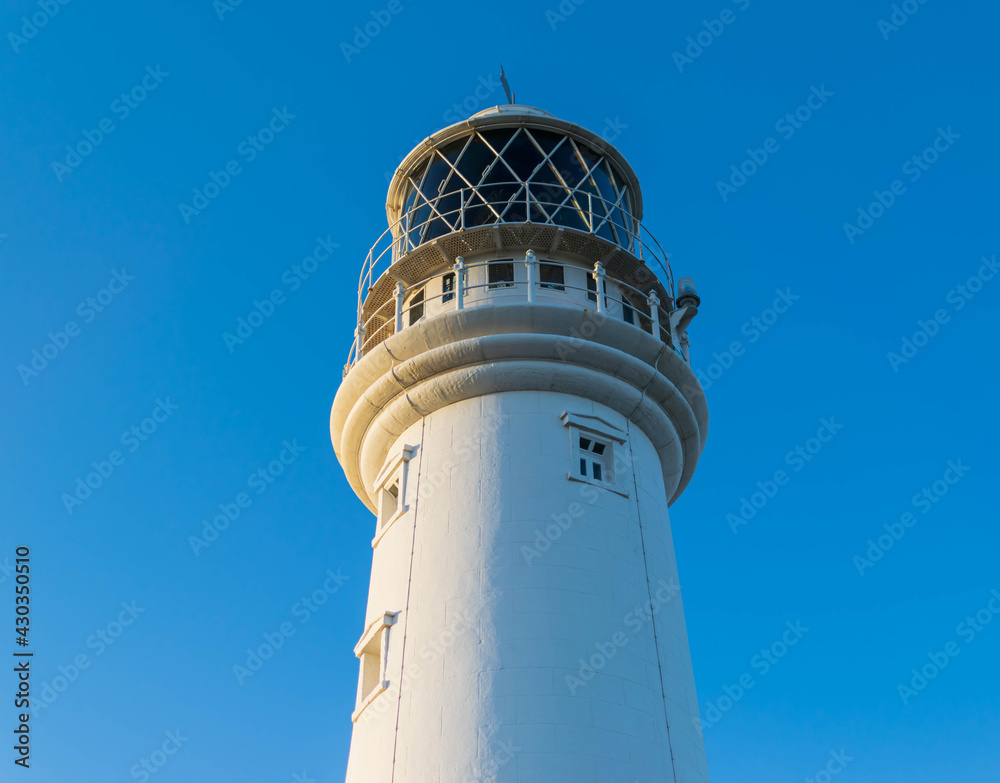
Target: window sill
{"x":603,"y":485}
{"x":380,"y":688}
{"x":389,"y":523}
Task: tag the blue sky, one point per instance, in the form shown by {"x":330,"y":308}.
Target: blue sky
{"x":109,"y":226}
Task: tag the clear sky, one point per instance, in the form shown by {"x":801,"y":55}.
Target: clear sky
{"x":108,"y":226}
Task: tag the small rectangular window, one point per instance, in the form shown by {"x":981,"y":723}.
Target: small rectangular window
{"x":592,"y":287}
{"x":551,"y":276}
{"x":417,"y":307}
{"x":372,"y":652}
{"x":595,"y":459}
{"x":594,"y":452}
{"x":628,"y":312}
{"x":448,"y":287}
{"x":389,"y":503}
{"x":501,"y":274}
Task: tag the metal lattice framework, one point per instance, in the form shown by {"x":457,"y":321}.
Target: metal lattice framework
{"x":517,"y":175}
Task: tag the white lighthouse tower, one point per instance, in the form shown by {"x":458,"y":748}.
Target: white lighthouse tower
{"x":518,"y":411}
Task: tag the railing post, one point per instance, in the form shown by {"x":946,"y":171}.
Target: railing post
{"x":531,"y":262}
{"x":599,"y":278}
{"x":400,"y":296}
{"x":359,"y":338}
{"x":459,"y":283}
{"x":654,"y":313}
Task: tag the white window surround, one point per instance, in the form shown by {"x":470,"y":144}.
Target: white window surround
{"x":373,"y":651}
{"x":594,"y":427}
{"x":396,"y":472}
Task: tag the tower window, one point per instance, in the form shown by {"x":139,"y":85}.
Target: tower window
{"x":628,"y":312}
{"x":388,"y":503}
{"x":389,"y":492}
{"x":373,"y":653}
{"x":599,"y":452}
{"x":595,"y":460}
{"x":417,"y":307}
{"x":448,"y":287}
{"x":592,"y":287}
{"x":552,"y":276}
{"x":501,"y":274}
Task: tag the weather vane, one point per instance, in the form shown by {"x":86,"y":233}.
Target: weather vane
{"x":506,"y":85}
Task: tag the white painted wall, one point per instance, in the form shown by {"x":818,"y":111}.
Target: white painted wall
{"x":484,"y":642}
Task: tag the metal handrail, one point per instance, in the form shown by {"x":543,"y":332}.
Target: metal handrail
{"x":392,"y":314}
{"x":396,"y":240}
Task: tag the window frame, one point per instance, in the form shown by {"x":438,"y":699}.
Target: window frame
{"x":396,"y":472}
{"x":596,"y":430}
{"x":552,"y":285}
{"x":416,"y":305}
{"x":590,"y":458}
{"x":492,"y":284}
{"x":592,"y":288}
{"x":373,"y":642}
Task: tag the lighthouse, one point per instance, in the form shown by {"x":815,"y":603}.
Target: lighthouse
{"x":518,"y":411}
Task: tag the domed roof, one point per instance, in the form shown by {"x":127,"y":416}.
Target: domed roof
{"x":513,"y":108}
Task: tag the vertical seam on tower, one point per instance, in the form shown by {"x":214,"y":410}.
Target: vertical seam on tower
{"x":649,"y":593}
{"x":406,"y":610}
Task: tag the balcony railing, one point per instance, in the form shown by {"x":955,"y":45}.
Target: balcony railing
{"x":623,"y":302}
{"x":533,"y":204}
